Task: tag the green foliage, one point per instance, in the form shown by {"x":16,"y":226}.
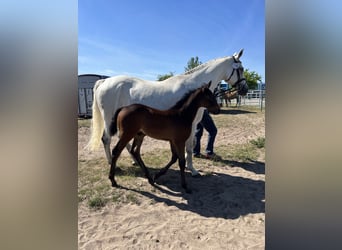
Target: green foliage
{"x":252,"y":78}
{"x":164,"y":77}
{"x":259,"y":142}
{"x":192,"y":63}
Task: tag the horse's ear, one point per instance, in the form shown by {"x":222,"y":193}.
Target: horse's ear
{"x":208,"y":85}
{"x":237,"y":56}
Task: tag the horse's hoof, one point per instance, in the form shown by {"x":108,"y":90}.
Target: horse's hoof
{"x":151,"y":181}
{"x":114,"y":184}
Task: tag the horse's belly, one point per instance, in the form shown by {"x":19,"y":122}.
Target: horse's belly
{"x":166,"y":133}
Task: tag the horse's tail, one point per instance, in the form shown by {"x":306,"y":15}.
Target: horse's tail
{"x":97,"y":125}
{"x":113,"y":127}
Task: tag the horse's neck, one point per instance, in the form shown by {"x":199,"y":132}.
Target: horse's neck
{"x":215,"y":71}
{"x":174,"y":88}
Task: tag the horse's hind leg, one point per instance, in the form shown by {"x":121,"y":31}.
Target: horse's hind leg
{"x":189,"y":150}
{"x":135,"y":152}
{"x":106,"y":139}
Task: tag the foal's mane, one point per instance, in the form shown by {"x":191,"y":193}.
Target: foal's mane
{"x":184,"y":99}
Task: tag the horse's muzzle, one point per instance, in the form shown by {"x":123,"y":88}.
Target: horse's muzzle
{"x":243,"y":89}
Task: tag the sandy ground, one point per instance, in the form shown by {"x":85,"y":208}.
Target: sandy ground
{"x":226,"y":209}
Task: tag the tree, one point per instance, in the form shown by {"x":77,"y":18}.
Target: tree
{"x":164,"y":77}
{"x":252,"y":78}
{"x":192,"y":63}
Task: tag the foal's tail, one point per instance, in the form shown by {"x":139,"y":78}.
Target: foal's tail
{"x":113,"y":127}
{"x":97,"y":125}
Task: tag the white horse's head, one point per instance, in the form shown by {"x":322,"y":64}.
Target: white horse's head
{"x":236,"y":78}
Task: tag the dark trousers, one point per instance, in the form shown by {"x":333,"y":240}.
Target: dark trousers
{"x":209,"y":125}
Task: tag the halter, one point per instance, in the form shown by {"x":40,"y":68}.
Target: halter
{"x":236,"y":67}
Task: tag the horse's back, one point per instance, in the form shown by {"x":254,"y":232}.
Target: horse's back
{"x":119,"y":91}
{"x":114,"y":92}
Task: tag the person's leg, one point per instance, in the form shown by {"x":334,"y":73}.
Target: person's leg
{"x":209,"y":125}
{"x":198,"y":135}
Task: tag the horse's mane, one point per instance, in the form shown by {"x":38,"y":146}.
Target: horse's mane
{"x":195,"y":69}
{"x":183,"y":100}
{"x":201,"y":66}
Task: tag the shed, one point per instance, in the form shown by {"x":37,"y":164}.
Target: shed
{"x":86,"y":83}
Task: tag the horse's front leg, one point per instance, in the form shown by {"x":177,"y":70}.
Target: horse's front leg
{"x":189,"y":150}
{"x":181,"y":161}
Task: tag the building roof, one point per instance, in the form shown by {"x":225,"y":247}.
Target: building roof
{"x":100,"y":76}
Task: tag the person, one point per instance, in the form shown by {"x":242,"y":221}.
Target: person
{"x":208,"y":124}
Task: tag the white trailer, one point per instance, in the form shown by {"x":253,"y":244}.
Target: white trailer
{"x":86,"y":83}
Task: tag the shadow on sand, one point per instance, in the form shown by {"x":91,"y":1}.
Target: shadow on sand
{"x":236,"y":111}
{"x":213,"y":195}
{"x":256,"y":167}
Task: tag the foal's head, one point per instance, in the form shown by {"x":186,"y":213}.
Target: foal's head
{"x":208,"y":99}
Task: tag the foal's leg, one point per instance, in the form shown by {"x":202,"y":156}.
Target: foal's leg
{"x":129,"y":149}
{"x":120,"y":145}
{"x":164,"y":169}
{"x":181,"y":161}
{"x":135,"y":151}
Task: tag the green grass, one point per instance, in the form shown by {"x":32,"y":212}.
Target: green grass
{"x":94,"y":187}
{"x":84,"y":123}
{"x":244,"y":152}
{"x":237,"y":117}
{"x":97,"y":202}
{"x":259,"y":142}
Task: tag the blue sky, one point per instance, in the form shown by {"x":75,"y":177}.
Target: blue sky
{"x":154,"y":37}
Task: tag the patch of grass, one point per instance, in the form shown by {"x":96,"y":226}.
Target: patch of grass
{"x":239,"y":152}
{"x":97,"y":202}
{"x":259,"y":142}
{"x":158,"y":158}
{"x":84,"y":123}
{"x":235,"y":117}
{"x":95,"y":189}
{"x":116,"y":197}
{"x":132,"y":198}
{"x":124,"y":196}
